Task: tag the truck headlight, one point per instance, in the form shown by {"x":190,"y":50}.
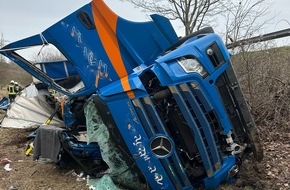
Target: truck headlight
{"x":191,"y":65}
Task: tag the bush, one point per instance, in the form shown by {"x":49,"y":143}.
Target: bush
{"x":265,"y":79}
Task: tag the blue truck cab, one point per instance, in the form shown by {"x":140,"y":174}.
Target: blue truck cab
{"x":173,"y":104}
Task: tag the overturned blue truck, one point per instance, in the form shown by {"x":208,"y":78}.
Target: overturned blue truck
{"x":170,"y":107}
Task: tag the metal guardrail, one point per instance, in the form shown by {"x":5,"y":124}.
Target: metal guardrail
{"x":260,"y":38}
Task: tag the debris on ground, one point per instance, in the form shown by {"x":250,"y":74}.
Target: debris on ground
{"x":7,"y":167}
{"x":5,"y":161}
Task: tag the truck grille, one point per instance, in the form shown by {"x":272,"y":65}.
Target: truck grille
{"x":201,"y":122}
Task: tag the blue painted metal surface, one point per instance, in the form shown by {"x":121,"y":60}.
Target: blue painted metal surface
{"x":4,"y":103}
{"x":113,"y":57}
{"x":221,"y":175}
{"x":172,"y":73}
{"x":93,"y":60}
{"x":58,"y":70}
{"x":138,"y":144}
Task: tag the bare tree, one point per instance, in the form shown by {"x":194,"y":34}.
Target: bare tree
{"x":243,"y":18}
{"x":265,"y":77}
{"x":263,"y":71}
{"x":193,"y":14}
{"x":2,"y":44}
{"x":49,"y":53}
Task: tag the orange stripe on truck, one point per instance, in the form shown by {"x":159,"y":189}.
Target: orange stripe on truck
{"x":106,"y":25}
{"x":127,"y":87}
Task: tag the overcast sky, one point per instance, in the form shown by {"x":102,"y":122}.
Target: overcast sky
{"x":23,"y":18}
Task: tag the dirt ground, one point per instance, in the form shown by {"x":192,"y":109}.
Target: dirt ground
{"x":272,"y":173}
{"x":28,"y":174}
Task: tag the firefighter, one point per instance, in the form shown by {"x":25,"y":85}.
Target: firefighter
{"x":11,"y":91}
{"x":18,"y":88}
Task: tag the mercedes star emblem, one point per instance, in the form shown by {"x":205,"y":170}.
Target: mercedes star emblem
{"x":161,"y":146}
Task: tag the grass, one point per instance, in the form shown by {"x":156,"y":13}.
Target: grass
{"x":11,"y":71}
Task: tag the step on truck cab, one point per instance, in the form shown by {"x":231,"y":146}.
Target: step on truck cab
{"x":173,"y":105}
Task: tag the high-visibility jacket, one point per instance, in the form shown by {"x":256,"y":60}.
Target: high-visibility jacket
{"x":11,"y":89}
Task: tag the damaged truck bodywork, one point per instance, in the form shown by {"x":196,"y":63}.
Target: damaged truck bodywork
{"x":172,"y":105}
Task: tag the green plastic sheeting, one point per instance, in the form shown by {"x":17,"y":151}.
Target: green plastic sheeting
{"x":119,"y":172}
{"x":96,"y":129}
